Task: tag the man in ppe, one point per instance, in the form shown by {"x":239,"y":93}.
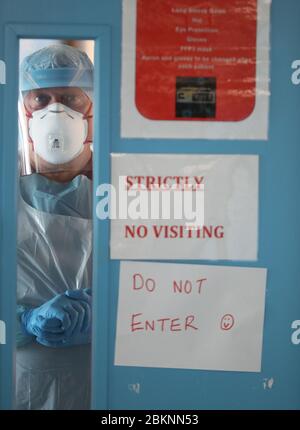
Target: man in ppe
{"x":54,"y":230}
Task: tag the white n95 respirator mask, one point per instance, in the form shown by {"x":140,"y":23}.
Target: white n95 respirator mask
{"x":58,"y":133}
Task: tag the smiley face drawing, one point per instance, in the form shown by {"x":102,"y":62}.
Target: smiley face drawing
{"x":227,"y":322}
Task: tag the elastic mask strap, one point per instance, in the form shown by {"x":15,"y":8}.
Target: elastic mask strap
{"x":87,"y":116}
{"x":27,"y":113}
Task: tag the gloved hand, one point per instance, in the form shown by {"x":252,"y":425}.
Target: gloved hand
{"x":78,"y":334}
{"x":60,"y":320}
{"x":84,"y":294}
{"x":54,"y":325}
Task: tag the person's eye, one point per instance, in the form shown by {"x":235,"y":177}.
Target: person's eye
{"x":41,"y":100}
{"x":74,"y":101}
{"x":71,"y":99}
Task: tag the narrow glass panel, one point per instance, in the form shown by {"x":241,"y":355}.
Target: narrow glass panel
{"x":54,"y":225}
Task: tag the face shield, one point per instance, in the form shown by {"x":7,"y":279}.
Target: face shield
{"x":55,"y":111}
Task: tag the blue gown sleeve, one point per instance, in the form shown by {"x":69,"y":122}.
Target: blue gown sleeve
{"x":22,"y":338}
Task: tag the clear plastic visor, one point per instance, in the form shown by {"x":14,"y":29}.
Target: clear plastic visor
{"x":55,"y":130}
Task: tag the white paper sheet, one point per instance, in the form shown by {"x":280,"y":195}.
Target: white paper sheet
{"x":213,"y":316}
{"x":230,"y":208}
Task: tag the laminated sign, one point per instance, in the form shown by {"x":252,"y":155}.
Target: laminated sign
{"x":190,"y":316}
{"x":196,"y":68}
{"x":167,"y":206}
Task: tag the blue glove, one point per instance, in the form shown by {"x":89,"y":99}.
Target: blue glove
{"x":54,"y":325}
{"x":80,"y":331}
{"x":56,"y":320}
{"x":84,"y":294}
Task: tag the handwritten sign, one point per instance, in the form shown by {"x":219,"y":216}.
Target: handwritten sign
{"x":190,"y":316}
{"x":224,"y":198}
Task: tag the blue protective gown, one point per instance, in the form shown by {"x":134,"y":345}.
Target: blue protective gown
{"x":54,"y":254}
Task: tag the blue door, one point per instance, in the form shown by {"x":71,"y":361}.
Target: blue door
{"x":277,"y":386}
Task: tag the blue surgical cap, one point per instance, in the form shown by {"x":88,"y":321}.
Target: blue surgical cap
{"x":57,"y":66}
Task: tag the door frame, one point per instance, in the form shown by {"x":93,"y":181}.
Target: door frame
{"x":101,"y":35}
